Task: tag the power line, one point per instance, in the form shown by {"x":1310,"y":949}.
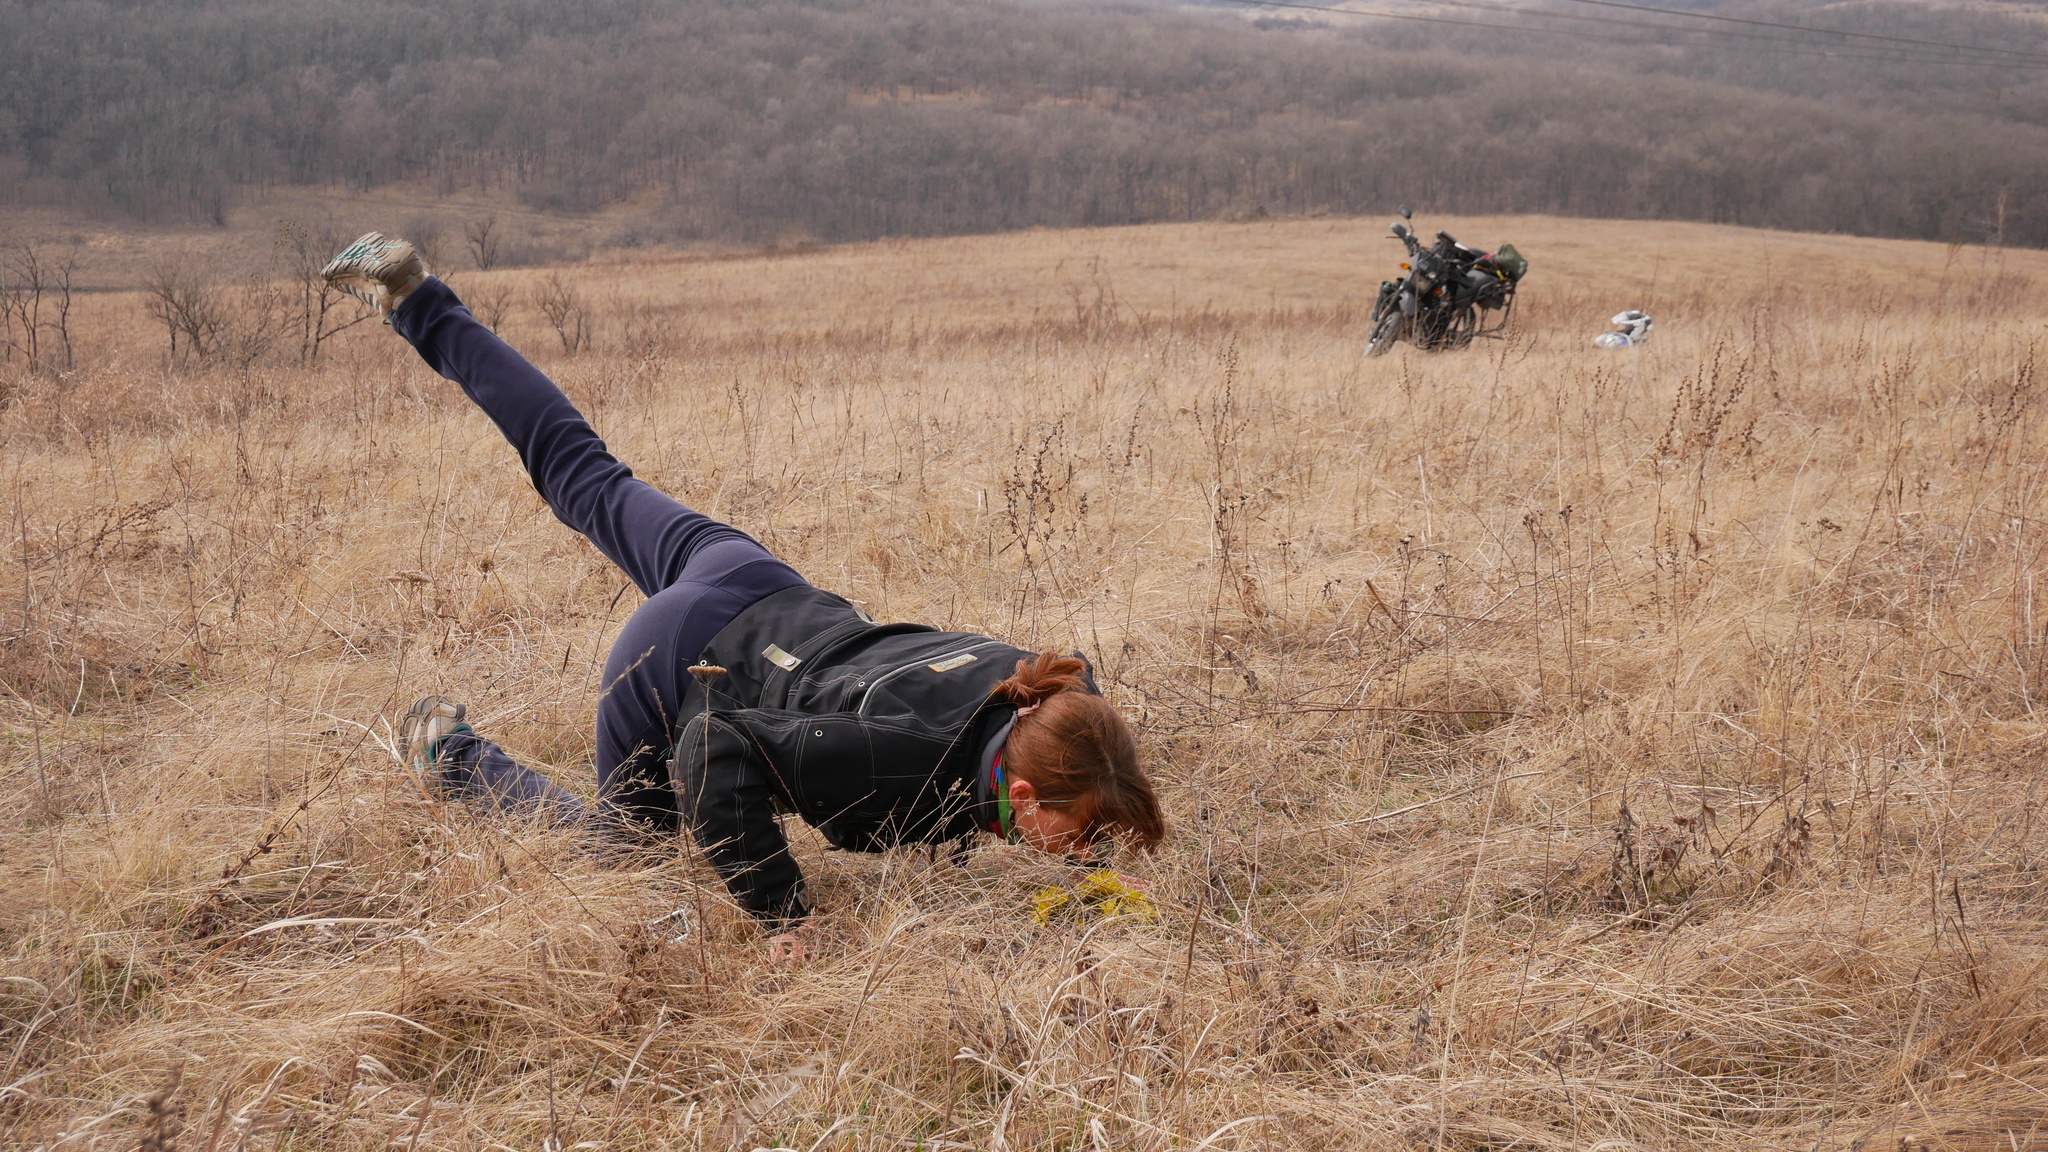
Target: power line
{"x":1777,"y":45}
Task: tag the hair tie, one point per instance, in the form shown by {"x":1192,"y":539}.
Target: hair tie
{"x":1027,"y":710}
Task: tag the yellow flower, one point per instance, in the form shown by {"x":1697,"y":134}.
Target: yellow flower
{"x":1102,"y":890}
{"x":1047,"y":903}
{"x":1111,"y":895}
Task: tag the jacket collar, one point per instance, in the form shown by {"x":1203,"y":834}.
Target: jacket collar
{"x":985,"y":771}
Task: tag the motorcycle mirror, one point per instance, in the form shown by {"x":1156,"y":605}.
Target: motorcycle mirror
{"x":1406,"y":214}
{"x":1400,"y":229}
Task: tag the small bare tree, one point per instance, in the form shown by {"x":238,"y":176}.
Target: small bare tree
{"x":489,"y":303}
{"x":191,"y":316}
{"x":563,"y":306}
{"x":261,"y":317}
{"x":318,"y":309}
{"x":35,"y":307}
{"x":220,"y":326}
{"x":482,"y":233}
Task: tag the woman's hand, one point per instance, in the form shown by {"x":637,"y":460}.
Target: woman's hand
{"x":790,"y":948}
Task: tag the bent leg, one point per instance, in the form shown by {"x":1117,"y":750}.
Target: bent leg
{"x":648,"y":689}
{"x":652,"y":537}
{"x":471,"y":768}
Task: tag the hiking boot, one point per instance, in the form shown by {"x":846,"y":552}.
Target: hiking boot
{"x":429,"y":721}
{"x":377,"y":270}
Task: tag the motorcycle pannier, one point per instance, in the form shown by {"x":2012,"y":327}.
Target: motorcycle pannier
{"x":1511,"y":262}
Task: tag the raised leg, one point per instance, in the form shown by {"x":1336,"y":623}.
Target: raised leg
{"x":650,"y":536}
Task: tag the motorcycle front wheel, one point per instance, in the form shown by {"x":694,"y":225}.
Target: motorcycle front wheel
{"x":1387,"y":332}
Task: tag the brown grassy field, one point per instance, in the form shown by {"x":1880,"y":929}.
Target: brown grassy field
{"x":1564,"y":750}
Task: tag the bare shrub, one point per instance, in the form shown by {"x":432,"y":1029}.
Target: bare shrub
{"x":191,"y":311}
{"x":35,"y":306}
{"x":263,"y":318}
{"x":644,"y":330}
{"x":483,"y":236}
{"x":208,"y":323}
{"x":491,"y":304}
{"x":319,"y":310}
{"x":563,"y":306}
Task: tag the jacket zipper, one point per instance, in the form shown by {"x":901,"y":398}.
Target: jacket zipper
{"x":808,"y":653}
{"x":892,"y":673}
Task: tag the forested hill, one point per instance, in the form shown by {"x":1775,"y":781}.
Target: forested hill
{"x":738,"y":119}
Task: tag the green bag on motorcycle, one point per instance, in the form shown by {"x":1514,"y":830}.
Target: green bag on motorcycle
{"x":1511,"y":262}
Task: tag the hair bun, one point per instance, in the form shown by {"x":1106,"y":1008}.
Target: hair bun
{"x":1043,"y":678}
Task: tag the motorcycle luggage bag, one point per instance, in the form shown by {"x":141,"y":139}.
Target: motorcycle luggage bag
{"x":1511,"y":262}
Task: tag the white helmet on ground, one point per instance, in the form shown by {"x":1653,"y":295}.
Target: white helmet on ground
{"x":1634,"y":324}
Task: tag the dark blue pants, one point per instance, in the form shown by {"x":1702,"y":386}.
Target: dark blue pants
{"x":696,"y":573}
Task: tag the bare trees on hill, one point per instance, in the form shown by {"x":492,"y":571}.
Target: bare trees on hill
{"x":862,"y":118}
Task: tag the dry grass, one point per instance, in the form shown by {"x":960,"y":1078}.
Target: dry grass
{"x":1707,"y":676}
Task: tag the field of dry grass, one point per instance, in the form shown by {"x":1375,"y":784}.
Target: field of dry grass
{"x":1565,"y":750}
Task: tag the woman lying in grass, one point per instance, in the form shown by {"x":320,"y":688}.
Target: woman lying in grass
{"x":738,"y":690}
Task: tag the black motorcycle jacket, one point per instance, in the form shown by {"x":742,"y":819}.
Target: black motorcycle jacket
{"x":878,"y":735}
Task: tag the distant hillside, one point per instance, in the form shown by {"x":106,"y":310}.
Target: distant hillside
{"x":849,"y":119}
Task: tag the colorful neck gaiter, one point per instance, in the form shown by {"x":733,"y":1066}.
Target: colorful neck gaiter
{"x":1004,"y":821}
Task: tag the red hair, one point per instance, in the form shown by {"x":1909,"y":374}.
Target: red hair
{"x":1077,"y":751}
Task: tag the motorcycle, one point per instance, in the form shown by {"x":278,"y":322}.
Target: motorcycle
{"x":1449,"y":296}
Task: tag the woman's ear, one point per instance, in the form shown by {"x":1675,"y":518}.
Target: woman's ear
{"x":1022,"y":792}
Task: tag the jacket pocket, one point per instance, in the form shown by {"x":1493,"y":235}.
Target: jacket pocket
{"x":835,"y":776}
